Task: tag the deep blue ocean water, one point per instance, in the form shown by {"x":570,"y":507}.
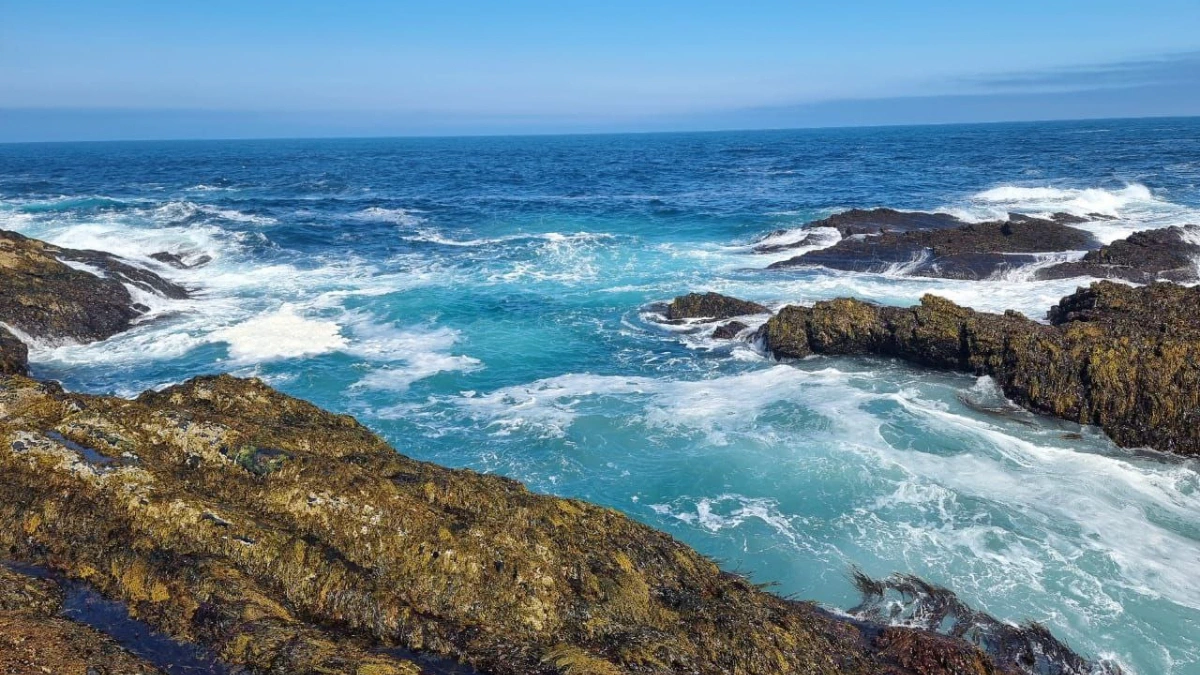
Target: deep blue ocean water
{"x":488,"y":303}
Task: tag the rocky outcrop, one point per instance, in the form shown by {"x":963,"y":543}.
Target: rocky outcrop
{"x":58,"y":293}
{"x":289,"y":539}
{"x":858,"y":222}
{"x":1126,"y":359}
{"x":35,"y":638}
{"x":710,"y":306}
{"x":972,"y":251}
{"x":1169,"y":254}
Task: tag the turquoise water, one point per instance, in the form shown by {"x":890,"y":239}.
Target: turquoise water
{"x":488,"y":303}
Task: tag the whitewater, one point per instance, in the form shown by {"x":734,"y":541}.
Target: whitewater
{"x":494,"y":303}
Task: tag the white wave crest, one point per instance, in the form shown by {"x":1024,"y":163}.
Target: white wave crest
{"x":406,"y":217}
{"x":281,"y":334}
{"x":1118,"y":212}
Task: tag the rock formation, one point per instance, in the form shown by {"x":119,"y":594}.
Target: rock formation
{"x":289,"y":539}
{"x":1126,"y":359}
{"x":45,"y":297}
{"x":1169,"y":254}
{"x":711,"y":307}
{"x":971,"y":251}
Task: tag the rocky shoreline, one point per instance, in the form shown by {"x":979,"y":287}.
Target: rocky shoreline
{"x":942,"y":246}
{"x":1125,"y":359}
{"x":282,"y":538}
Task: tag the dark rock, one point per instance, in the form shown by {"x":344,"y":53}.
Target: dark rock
{"x":327,"y":561}
{"x":1122,"y":358}
{"x":857,"y":222}
{"x":45,"y":298}
{"x":712,"y":306}
{"x":906,"y":599}
{"x":729,"y":331}
{"x":1164,"y":254}
{"x":175,"y":260}
{"x":974,"y":251}
{"x":14,"y":355}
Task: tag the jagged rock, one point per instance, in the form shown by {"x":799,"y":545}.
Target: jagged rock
{"x":289,"y":539}
{"x":906,"y":599}
{"x":44,"y":297}
{"x":973,"y":251}
{"x":1122,"y":358}
{"x":1166,"y":254}
{"x":34,"y":638}
{"x":729,"y":331}
{"x":14,"y":355}
{"x":858,"y":222}
{"x":712,"y":306}
{"x":175,"y":260}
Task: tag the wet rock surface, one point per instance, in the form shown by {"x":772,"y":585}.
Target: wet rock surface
{"x":43,"y":296}
{"x":965,"y":251}
{"x":856,"y":222}
{"x":1126,"y":359}
{"x":729,"y":331}
{"x":36,"y":639}
{"x":178,"y":262}
{"x":711,"y":306}
{"x":337,"y":549}
{"x":1169,"y":254}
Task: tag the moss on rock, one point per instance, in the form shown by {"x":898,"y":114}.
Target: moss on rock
{"x":711,"y":306}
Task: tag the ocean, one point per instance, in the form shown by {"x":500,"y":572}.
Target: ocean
{"x":490,"y":303}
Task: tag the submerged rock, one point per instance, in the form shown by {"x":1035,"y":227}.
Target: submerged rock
{"x":711,"y":306}
{"x":289,"y":539}
{"x":970,"y":251}
{"x":45,"y":297}
{"x":1122,"y":358}
{"x":729,"y":331}
{"x":175,"y":260}
{"x":1169,"y":254}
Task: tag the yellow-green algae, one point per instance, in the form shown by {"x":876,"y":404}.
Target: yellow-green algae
{"x":339,"y":546}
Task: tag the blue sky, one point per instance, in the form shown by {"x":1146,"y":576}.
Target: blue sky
{"x":128,"y":69}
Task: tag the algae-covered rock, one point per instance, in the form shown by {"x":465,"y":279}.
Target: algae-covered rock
{"x":36,"y":639}
{"x":1126,"y":359}
{"x":968,"y":251}
{"x":45,"y":297}
{"x":711,"y":306}
{"x":291,"y":540}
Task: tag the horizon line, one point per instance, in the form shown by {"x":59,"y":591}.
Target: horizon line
{"x":535,"y":134}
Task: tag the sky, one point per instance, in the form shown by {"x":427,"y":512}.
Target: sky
{"x":222,"y":69}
